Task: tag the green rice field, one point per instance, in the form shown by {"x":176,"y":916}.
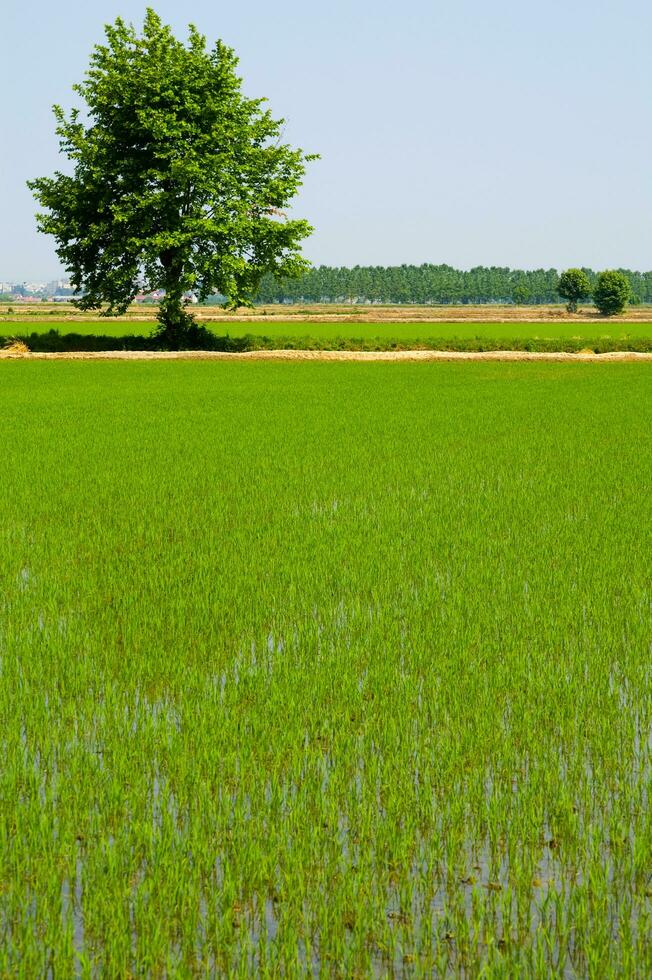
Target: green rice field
{"x":326,"y":669}
{"x":383,"y":331}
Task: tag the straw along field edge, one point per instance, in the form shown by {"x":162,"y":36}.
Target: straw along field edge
{"x":345,"y":312}
{"x":325,"y":667}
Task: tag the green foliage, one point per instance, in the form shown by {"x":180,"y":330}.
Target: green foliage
{"x":426,"y":284}
{"x":325,"y":669}
{"x":521,"y":295}
{"x":611,"y":292}
{"x":178,"y":180}
{"x":574,"y":285}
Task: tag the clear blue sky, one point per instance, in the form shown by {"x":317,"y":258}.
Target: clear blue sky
{"x":473,"y":132}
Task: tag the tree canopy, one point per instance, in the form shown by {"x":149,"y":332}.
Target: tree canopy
{"x":179,"y":182}
{"x":574,"y":286}
{"x":611,"y":293}
{"x":429,"y":284}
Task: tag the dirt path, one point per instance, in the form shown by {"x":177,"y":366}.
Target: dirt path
{"x":317,"y":355}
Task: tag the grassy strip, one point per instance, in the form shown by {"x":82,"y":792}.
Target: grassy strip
{"x":372,"y":331}
{"x":53,"y":341}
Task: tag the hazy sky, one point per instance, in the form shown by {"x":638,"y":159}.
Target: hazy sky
{"x":497,"y":132}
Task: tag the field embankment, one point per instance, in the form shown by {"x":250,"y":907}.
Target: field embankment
{"x":329,"y":355}
{"x":333,"y":312}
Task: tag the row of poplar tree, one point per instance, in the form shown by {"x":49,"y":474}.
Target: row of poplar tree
{"x":431,"y":284}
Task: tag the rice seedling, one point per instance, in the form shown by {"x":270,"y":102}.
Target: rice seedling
{"x":339,"y":669}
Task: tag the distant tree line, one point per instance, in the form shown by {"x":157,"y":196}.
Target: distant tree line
{"x":431,"y":284}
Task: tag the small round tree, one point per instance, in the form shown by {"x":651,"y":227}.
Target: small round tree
{"x":574,"y":286}
{"x":611,"y":293}
{"x":520,"y":295}
{"x":178,"y":180}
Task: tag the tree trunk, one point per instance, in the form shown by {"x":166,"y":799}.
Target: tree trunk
{"x":175,"y":324}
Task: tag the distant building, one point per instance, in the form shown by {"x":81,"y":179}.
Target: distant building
{"x":55,"y":286}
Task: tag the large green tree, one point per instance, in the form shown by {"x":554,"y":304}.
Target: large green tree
{"x":178,"y":181}
{"x":612,"y":290}
{"x":574,"y":286}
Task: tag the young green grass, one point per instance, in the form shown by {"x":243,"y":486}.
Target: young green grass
{"x":610,"y":334}
{"x":331,"y":668}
